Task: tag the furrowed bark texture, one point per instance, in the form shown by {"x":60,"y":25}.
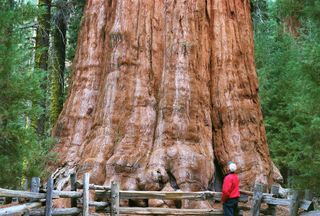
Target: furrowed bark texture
{"x":160,"y":90}
{"x":238,"y":130}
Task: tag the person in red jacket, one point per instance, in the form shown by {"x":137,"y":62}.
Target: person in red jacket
{"x":230,"y":191}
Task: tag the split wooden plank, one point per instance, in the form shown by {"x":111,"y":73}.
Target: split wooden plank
{"x":35,"y":186}
{"x":308,"y":197}
{"x":93,"y":186}
{"x":67,"y":194}
{"x":73,"y":180}
{"x":294,"y":206}
{"x":85,"y":208}
{"x":19,"y":209}
{"x":170,"y":195}
{"x":275,"y":192}
{"x":56,"y":211}
{"x":49,"y":194}
{"x":33,"y":195}
{"x":257,"y":198}
{"x":99,"y":204}
{"x":276,"y":201}
{"x":115,"y":199}
{"x":21,"y":194}
{"x":169,"y":211}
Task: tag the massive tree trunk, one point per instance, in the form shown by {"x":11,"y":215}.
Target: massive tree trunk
{"x":162,"y":89}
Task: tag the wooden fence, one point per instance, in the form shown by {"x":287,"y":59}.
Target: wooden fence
{"x":40,"y":203}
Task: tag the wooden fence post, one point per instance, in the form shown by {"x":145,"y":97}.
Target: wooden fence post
{"x":26,"y":184}
{"x":294,"y":206}
{"x":308,"y":195}
{"x":49,"y":195}
{"x":115,"y":199}
{"x":35,"y":186}
{"x":86,"y":180}
{"x":256,"y":201}
{"x":274,"y":192}
{"x":73,"y":180}
{"x":26,"y":188}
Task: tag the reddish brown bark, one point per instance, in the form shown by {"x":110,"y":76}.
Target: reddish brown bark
{"x":239,"y":133}
{"x":292,"y":24}
{"x":160,"y":90}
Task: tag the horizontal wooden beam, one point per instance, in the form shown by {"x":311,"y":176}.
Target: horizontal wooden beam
{"x":33,"y":195}
{"x":93,"y":187}
{"x":160,"y":195}
{"x":276,"y":201}
{"x":103,"y":188}
{"x":18,"y":209}
{"x":21,"y":194}
{"x":66,"y":194}
{"x":304,"y":204}
{"x":169,"y":211}
{"x":57,"y":211}
{"x":99,"y":187}
{"x":174,"y":195}
{"x":168,"y":195}
{"x":99,"y":204}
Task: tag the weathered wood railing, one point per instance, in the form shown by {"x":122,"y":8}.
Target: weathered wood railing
{"x":38,"y":200}
{"x":41,"y":203}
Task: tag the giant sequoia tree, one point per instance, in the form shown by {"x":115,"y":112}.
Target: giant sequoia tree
{"x":160,"y":91}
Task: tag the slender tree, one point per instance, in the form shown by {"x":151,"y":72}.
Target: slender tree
{"x":41,"y":59}
{"x":58,"y":58}
{"x":76,"y":13}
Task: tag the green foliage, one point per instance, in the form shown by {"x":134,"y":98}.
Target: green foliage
{"x":74,"y":26}
{"x":20,"y":147}
{"x":288,"y":69}
{"x":23,"y":152}
{"x":75,"y":21}
{"x":301,"y":9}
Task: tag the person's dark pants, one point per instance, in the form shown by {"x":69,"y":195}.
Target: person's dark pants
{"x":230,"y":208}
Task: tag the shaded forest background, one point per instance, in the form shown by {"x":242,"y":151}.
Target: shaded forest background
{"x":37,"y":46}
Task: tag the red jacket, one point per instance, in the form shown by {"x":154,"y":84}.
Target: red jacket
{"x":230,"y":188}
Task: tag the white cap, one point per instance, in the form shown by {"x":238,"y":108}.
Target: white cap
{"x":232,"y":167}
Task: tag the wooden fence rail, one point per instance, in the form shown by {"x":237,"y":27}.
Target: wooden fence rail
{"x":33,"y":195}
{"x":41,"y":203}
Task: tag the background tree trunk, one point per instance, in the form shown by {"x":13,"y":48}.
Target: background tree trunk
{"x":41,"y":59}
{"x":58,"y":58}
{"x":160,"y":89}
